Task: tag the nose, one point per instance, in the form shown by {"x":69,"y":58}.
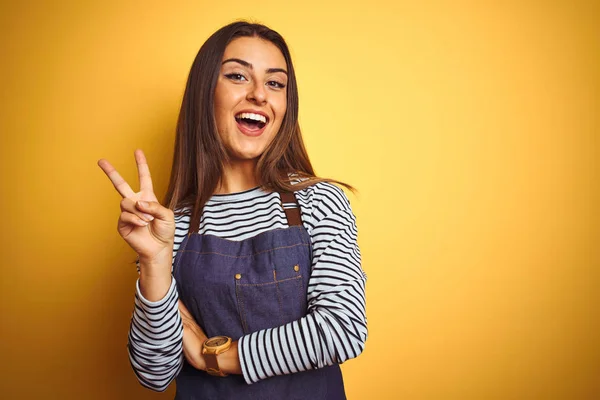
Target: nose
{"x":257,"y":93}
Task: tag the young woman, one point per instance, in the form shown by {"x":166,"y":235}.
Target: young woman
{"x":252,"y":288}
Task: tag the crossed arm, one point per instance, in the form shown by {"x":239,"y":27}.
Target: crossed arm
{"x":162,"y":332}
{"x":333,"y":330}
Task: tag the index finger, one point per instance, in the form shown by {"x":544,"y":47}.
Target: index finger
{"x":117,"y":180}
{"x":143,"y":171}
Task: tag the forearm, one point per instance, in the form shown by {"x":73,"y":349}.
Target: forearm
{"x":335,"y":326}
{"x":193,"y":340}
{"x":331,"y":334}
{"x":155,"y":339}
{"x":335,"y":332}
{"x":155,"y":276}
{"x":230,"y":360}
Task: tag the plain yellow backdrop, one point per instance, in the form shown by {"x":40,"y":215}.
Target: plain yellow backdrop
{"x":471,"y":130}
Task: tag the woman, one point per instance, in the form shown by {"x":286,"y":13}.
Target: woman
{"x":253,"y":287}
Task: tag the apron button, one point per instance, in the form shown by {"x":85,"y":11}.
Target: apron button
{"x":238,"y":276}
{"x":296,"y":268}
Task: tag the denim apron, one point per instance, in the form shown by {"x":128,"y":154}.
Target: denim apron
{"x":233,"y":288}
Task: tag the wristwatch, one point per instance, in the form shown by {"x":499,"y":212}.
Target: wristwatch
{"x":211,"y":348}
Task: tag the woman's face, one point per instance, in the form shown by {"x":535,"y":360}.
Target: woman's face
{"x":250,"y":96}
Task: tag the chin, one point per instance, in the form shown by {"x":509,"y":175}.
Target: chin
{"x":247,"y":155}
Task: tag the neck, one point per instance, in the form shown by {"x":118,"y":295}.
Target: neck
{"x":238,"y":175}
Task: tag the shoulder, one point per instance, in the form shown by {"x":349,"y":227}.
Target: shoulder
{"x":324,"y":193}
{"x":182,"y":221}
{"x":321,"y":201}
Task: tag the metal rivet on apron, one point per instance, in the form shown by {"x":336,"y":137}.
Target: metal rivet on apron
{"x":296,"y":268}
{"x":238,"y":276}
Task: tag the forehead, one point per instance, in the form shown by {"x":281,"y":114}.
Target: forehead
{"x":261,"y":53}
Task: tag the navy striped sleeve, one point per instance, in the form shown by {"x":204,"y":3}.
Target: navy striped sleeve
{"x":155,"y":341}
{"x":335,"y":327}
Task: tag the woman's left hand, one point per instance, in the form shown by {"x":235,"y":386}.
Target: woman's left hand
{"x":193,"y":339}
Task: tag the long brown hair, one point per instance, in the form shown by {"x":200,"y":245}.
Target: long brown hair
{"x":199,"y":155}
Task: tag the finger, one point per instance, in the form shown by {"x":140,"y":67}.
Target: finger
{"x":128,"y":218}
{"x":117,"y":180}
{"x":128,"y":205}
{"x":143,"y":171}
{"x":155,"y":209}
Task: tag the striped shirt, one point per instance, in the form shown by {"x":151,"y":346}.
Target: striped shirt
{"x":334,"y":328}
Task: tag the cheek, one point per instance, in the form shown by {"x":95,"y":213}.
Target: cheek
{"x":283,"y":102}
{"x":225,"y":98}
{"x":220,"y":117}
{"x":281,"y":108}
{"x":218,"y":110}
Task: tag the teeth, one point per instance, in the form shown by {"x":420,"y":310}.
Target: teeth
{"x":255,"y":117}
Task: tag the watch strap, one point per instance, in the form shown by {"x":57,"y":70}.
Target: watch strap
{"x":212,"y":365}
{"x":211,"y":348}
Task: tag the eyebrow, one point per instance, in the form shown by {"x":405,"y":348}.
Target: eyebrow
{"x":250,"y":66}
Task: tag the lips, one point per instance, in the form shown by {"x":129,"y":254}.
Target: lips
{"x":251,"y":122}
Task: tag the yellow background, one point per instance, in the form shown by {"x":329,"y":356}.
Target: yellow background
{"x":471,"y":130}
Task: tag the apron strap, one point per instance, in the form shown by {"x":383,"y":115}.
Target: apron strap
{"x":291,"y":213}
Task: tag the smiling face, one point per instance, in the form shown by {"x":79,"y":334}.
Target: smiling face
{"x":250,"y":96}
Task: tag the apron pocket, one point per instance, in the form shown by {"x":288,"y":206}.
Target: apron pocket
{"x":270,"y":304}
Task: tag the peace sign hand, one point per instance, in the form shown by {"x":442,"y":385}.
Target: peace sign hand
{"x":147,"y":226}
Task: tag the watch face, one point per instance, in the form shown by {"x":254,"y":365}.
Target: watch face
{"x":216,"y":341}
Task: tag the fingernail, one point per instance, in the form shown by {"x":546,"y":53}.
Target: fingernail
{"x":144,"y":223}
{"x":148,"y":217}
{"x":142,"y":204}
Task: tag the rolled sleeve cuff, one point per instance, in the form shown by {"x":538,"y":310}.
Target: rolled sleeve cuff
{"x":159,"y":304}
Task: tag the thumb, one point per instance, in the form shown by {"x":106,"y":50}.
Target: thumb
{"x":155,"y":209}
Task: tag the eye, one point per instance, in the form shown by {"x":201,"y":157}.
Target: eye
{"x":275,"y":84}
{"x":235,"y":77}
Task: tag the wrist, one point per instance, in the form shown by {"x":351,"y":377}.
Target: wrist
{"x":221,"y":356}
{"x":154,"y":287}
{"x":229,"y":361}
{"x":158,"y":262}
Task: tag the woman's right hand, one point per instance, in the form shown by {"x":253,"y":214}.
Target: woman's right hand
{"x":147,"y":226}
